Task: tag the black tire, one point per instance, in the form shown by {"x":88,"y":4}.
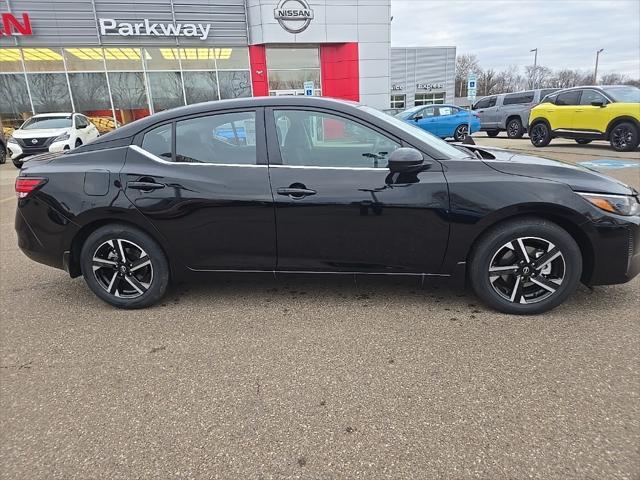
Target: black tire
{"x":583,"y":141}
{"x":514,"y":128}
{"x":461,"y":132}
{"x":507,"y":291}
{"x":137,"y":283}
{"x":540,"y":135}
{"x":78,"y":142}
{"x":624,"y":137}
{"x":492,"y":133}
{"x":17,"y":163}
{"x":3,"y":155}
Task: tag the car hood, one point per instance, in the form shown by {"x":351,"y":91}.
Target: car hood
{"x":39,"y":132}
{"x":579,"y":178}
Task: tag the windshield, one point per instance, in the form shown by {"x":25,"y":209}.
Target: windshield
{"x":46,"y":122}
{"x":434,"y":142}
{"x":624,"y":94}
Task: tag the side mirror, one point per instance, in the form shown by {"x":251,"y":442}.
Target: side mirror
{"x":418,"y":117}
{"x":598,"y":104}
{"x":405,"y":160}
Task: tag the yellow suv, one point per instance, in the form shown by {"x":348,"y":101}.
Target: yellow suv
{"x":589,"y":113}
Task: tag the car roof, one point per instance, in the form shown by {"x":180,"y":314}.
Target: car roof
{"x":50,"y":115}
{"x":134,"y":128}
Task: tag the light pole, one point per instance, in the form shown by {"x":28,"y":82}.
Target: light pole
{"x":535,"y":66}
{"x":595,"y":73}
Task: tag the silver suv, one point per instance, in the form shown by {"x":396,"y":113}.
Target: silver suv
{"x":508,"y":111}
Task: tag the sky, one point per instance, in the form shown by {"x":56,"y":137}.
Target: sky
{"x":567,"y":33}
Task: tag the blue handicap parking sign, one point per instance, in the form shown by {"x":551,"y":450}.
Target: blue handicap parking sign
{"x":610,"y":163}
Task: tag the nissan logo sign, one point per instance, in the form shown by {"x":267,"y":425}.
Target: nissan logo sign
{"x":293,"y":15}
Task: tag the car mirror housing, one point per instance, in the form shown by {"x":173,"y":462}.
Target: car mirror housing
{"x":405,"y":160}
{"x":418,"y":117}
{"x":598,"y":104}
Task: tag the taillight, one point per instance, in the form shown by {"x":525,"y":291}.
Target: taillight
{"x":26,"y":185}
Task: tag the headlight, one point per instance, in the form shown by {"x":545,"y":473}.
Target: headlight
{"x":621,"y":204}
{"x":12,"y":140}
{"x":62,"y":138}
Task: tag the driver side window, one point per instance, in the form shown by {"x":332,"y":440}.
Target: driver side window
{"x":324,"y":140}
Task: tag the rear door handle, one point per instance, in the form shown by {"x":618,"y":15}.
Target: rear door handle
{"x":145,"y":186}
{"x":296,"y":192}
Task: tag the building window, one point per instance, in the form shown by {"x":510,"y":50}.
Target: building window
{"x":166,"y":90}
{"x":429,"y":98}
{"x":289,"y":68}
{"x":116,"y":85}
{"x":398,"y":101}
{"x":15,"y":107}
{"x":200,"y":86}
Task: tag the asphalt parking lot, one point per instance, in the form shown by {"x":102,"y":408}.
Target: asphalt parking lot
{"x":318,"y":378}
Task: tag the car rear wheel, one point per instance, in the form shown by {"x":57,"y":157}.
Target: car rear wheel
{"x":624,"y":137}
{"x":493,"y":133}
{"x":124,"y":266}
{"x":17,"y":164}
{"x":3,"y":155}
{"x":583,"y":141}
{"x":514,"y":128}
{"x":540,"y":135}
{"x":526,"y":266}
{"x":461,"y":132}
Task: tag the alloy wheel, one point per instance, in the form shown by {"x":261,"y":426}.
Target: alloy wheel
{"x":122,"y":268}
{"x":621,"y":137}
{"x":461,"y":132}
{"x":538,"y":133}
{"x":527,"y":270}
{"x":514,"y":128}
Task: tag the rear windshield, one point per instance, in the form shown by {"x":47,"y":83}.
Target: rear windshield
{"x":624,"y":94}
{"x":46,"y":122}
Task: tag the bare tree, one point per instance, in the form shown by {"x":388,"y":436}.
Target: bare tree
{"x":509,"y":80}
{"x":465,"y":64}
{"x":613,"y":79}
{"x":487,"y":83}
{"x":537,"y":77}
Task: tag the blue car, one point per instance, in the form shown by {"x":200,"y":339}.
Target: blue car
{"x":442,"y":120}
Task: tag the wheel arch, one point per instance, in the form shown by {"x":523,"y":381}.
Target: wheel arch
{"x":81,"y":236}
{"x":620,"y":119}
{"x":537,"y":120}
{"x":564,"y":221}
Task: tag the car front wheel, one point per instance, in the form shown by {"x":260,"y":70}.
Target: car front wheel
{"x":624,"y":137}
{"x":540,"y":135}
{"x":124,"y":266}
{"x":526,"y":266}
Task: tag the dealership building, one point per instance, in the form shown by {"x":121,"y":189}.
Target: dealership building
{"x":116,"y":60}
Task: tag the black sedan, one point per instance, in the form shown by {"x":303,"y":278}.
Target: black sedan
{"x":308,"y":185}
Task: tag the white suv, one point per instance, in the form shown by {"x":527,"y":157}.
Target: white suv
{"x":49,"y":132}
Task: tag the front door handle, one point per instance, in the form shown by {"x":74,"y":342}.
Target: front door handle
{"x":296,"y":192}
{"x":145,"y":186}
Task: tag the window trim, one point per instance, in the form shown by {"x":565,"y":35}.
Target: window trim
{"x":261,"y":151}
{"x":273,"y":145}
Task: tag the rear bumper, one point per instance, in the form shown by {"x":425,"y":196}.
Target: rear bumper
{"x":42,"y":237}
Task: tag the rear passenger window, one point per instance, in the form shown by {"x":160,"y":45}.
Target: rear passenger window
{"x":518,"y":98}
{"x":568,"y":98}
{"x":220,"y":139}
{"x":158,"y":141}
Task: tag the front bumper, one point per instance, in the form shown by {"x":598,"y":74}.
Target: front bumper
{"x":17,"y":152}
{"x":616,"y":250}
